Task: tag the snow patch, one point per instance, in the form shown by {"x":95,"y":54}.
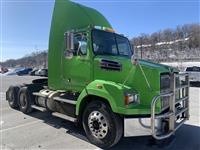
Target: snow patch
{"x":163,"y":43}
{"x":181,"y":65}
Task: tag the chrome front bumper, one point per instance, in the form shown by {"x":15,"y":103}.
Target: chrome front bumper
{"x":171,"y":116}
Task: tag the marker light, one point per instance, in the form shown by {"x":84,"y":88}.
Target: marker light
{"x":104,"y":28}
{"x":131,"y":98}
{"x":108,"y":29}
{"x":98,"y":27}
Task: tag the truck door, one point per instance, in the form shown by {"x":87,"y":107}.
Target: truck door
{"x":77,"y":70}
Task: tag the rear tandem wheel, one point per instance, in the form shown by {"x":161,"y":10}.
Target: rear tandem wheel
{"x":25,"y":100}
{"x":12,"y":96}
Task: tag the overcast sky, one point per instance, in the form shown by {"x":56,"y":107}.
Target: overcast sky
{"x":25,"y":24}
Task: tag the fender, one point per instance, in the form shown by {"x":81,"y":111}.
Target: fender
{"x":112,"y":92}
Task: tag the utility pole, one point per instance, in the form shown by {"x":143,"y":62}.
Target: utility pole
{"x":141,"y":47}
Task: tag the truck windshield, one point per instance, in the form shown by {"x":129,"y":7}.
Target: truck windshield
{"x":107,"y":43}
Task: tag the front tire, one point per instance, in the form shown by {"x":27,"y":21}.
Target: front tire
{"x":102,"y":127}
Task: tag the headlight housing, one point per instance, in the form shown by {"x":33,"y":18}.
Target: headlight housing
{"x":130,"y":98}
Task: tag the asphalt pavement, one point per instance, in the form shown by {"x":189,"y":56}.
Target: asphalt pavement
{"x":42,"y":131}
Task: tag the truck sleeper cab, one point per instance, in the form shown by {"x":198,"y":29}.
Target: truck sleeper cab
{"x":94,"y":80}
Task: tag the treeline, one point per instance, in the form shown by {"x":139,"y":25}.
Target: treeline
{"x":35,"y":59}
{"x":183,"y":43}
{"x":179,"y":44}
{"x":190,"y":31}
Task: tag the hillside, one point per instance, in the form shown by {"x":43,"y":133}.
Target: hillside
{"x":180,"y":44}
{"x":38,"y":59}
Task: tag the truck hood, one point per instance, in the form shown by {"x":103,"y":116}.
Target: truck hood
{"x":126,"y":62}
{"x":162,"y":68}
{"x":134,"y":77}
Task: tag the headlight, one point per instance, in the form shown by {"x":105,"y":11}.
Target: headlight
{"x":131,"y":98}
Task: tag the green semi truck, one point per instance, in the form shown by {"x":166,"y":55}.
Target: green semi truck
{"x":94,"y":80}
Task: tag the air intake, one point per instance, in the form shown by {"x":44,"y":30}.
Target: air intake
{"x":110,"y":65}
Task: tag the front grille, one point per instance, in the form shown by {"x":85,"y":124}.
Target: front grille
{"x":164,"y":103}
{"x":164,"y":82}
{"x":178,"y":110}
{"x":164,"y":88}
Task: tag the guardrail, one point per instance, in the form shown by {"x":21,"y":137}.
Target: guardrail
{"x":182,"y":113}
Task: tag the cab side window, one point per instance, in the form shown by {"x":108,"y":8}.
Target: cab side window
{"x":80,"y":44}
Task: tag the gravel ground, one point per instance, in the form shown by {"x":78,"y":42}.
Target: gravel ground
{"x":43,"y":131}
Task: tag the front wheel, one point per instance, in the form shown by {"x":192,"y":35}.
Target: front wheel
{"x":102,"y":127}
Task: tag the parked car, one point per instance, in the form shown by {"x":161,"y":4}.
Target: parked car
{"x":42,"y":72}
{"x":25,"y":71}
{"x":14,"y":71}
{"x":32,"y":73}
{"x":194,"y":73}
{"x":3,"y":70}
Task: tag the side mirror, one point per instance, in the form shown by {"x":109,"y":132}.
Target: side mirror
{"x":134,"y":60}
{"x":69,"y":40}
{"x":69,"y":45}
{"x":82,"y":48}
{"x":68,"y":54}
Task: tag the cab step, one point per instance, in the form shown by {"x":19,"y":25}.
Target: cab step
{"x":38,"y":108}
{"x":73,"y":102}
{"x":63,"y":116}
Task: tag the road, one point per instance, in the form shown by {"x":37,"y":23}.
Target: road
{"x":42,"y":131}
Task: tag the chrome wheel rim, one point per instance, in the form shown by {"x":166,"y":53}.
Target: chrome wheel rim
{"x":98,"y":124}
